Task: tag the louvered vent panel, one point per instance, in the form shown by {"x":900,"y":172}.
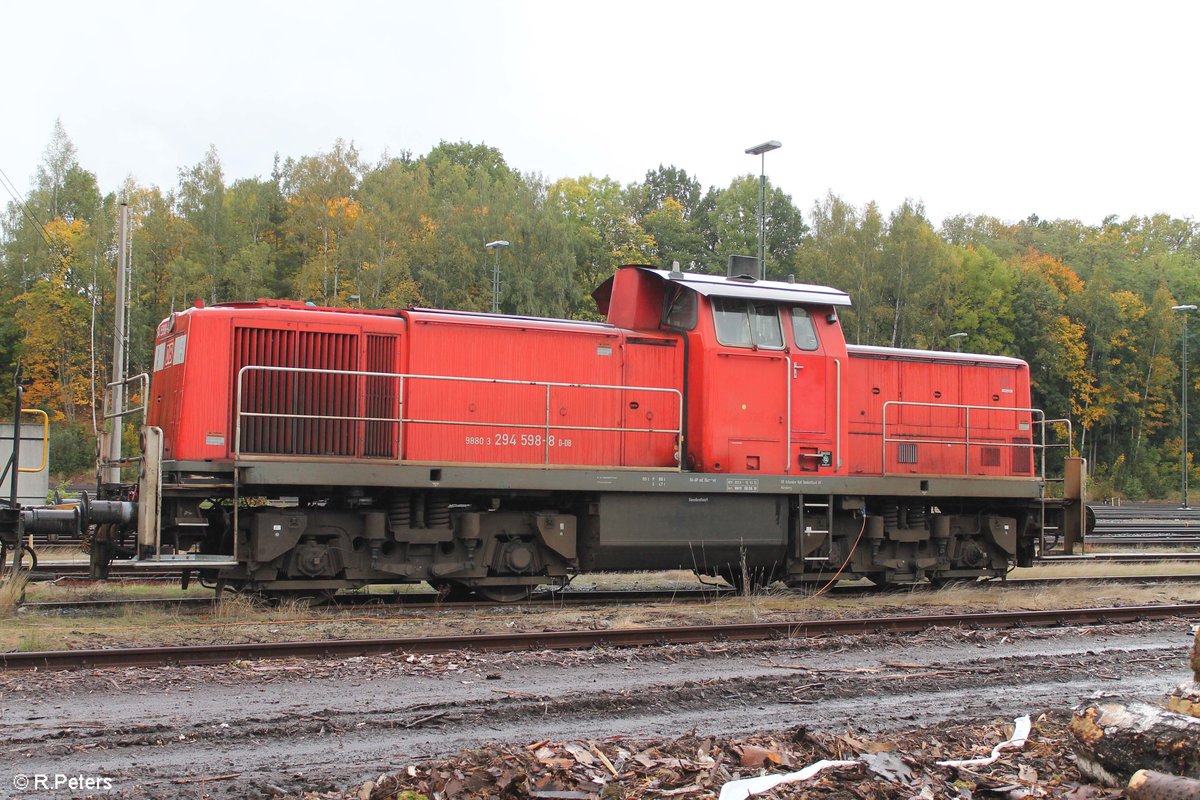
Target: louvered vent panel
{"x":381,"y":398}
{"x":1022,"y":462}
{"x":263,"y":392}
{"x":989,"y":457}
{"x":306,"y":401}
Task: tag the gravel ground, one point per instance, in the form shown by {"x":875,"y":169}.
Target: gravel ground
{"x":264,"y":729}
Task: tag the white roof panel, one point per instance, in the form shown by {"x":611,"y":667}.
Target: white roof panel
{"x":777,"y":291}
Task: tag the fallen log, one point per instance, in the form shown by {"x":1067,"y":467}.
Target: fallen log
{"x":1185,"y":699}
{"x":1149,"y":785}
{"x":1114,"y":740}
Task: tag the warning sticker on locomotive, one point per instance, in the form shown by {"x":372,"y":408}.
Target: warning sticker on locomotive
{"x":170,"y":352}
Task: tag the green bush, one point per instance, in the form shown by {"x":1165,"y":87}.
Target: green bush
{"x":72,"y":450}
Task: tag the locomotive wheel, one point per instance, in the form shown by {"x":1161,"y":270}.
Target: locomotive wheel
{"x":505,"y":592}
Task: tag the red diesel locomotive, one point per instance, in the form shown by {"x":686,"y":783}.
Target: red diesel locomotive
{"x":712,"y":423}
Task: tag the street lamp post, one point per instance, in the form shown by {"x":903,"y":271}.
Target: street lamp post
{"x":957,"y":339}
{"x":495,"y":248}
{"x":761,"y":151}
{"x":1183,"y":393}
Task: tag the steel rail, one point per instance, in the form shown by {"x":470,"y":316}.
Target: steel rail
{"x":420,"y":599}
{"x":1132,"y":558}
{"x":428,"y":600}
{"x":578,"y":640}
{"x":150,"y":576}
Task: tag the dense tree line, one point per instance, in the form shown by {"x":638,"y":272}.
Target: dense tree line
{"x":1088,"y":306}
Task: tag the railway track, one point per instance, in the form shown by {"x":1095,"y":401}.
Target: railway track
{"x":408,"y":600}
{"x":78,"y":570}
{"x":1124,"y":558}
{"x":430,"y":601}
{"x":577,"y":639}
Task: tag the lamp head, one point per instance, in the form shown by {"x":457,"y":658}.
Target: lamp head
{"x":765,"y":147}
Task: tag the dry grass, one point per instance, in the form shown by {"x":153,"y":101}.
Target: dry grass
{"x":12,"y":590}
{"x":1107,"y":569}
{"x":50,"y":592}
{"x":242,"y":618}
{"x":51,"y":553}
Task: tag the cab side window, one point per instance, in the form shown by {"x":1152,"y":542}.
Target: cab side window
{"x":742,"y":323}
{"x":803,"y":330}
{"x":733,"y":326}
{"x":765,"y":318}
{"x":681,"y":314}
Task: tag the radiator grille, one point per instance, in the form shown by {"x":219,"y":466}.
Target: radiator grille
{"x":1022,"y":461}
{"x":304,"y":399}
{"x":382,"y":396}
{"x":989,"y":457}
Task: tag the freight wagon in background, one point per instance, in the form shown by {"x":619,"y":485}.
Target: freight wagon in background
{"x":720,"y":424}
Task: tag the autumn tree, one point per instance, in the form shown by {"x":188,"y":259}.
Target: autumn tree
{"x":53,"y":317}
{"x":322,"y":224}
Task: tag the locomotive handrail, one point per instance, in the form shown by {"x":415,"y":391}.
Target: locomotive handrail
{"x":966,"y":442}
{"x":45,"y":440}
{"x":401,"y":421}
{"x":145,"y":381}
{"x":1046,"y":423}
{"x":115,"y":398}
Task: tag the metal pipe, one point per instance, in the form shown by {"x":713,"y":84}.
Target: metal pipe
{"x":1183,"y":394}
{"x":15,"y":463}
{"x":837,"y":406}
{"x":113,"y":473}
{"x":787,"y":453}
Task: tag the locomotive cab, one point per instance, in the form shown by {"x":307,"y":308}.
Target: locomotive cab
{"x":763,"y":368}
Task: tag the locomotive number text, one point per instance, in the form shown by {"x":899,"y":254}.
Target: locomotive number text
{"x":505,"y":439}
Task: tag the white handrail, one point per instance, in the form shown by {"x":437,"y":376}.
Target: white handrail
{"x":401,"y":421}
{"x":1038,"y":419}
{"x":141,"y":377}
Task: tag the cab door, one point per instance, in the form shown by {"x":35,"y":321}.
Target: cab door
{"x":745,"y":383}
{"x":812,"y":382}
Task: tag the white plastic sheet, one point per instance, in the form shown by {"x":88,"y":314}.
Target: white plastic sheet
{"x":747,"y":787}
{"x":1021,"y":728}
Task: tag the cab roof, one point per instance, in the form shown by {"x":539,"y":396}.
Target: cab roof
{"x":741,"y":287}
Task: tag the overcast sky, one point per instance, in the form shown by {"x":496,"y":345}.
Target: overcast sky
{"x":1063,"y":109}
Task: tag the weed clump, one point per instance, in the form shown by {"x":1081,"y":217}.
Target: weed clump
{"x":12,"y":590}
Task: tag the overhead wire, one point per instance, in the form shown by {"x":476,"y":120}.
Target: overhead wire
{"x":11,"y":188}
